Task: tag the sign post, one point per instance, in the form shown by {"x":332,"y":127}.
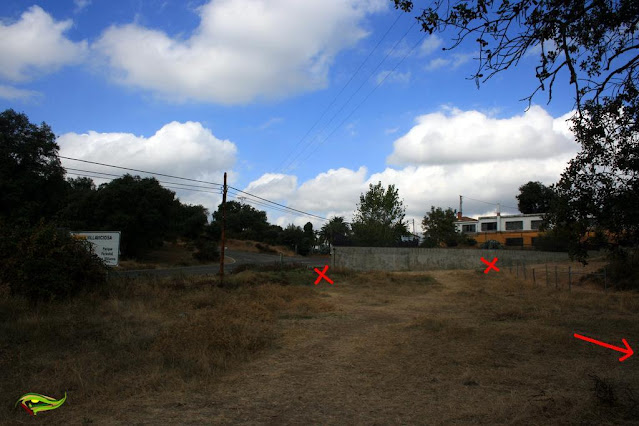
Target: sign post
{"x":106,"y":244}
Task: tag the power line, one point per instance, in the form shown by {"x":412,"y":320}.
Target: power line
{"x":290,"y":164}
{"x":281,"y":205}
{"x":342,"y":90}
{"x":118,"y":176}
{"x":486,"y":202}
{"x":187,"y":187}
{"x":364,"y":100}
{"x":140,"y":171}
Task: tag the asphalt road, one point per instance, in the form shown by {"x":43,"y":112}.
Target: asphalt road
{"x":232,"y":259}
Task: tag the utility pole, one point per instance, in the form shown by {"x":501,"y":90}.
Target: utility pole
{"x":223,"y":227}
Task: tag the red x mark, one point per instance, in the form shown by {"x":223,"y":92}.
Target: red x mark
{"x":322,"y":274}
{"x":491,"y":265}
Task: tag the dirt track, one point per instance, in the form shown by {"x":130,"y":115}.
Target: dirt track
{"x":463,"y":348}
{"x":336,"y":368}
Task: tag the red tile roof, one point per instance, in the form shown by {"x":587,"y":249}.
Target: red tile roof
{"x":466,"y":219}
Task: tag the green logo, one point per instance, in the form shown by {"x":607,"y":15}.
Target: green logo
{"x":34,"y":402}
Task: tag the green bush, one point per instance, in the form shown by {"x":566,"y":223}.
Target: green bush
{"x":470,"y":242}
{"x":491,"y":245}
{"x":206,"y":250}
{"x":556,"y":239}
{"x":429,"y":243}
{"x":46,"y":263}
{"x":623,"y":269}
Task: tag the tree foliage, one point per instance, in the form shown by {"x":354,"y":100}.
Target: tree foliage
{"x":44,"y":263}
{"x":379,"y":219}
{"x":243,"y":221}
{"x":596,"y":45}
{"x":534,"y":197}
{"x":336,"y":232}
{"x":32,"y":184}
{"x":439,"y":227}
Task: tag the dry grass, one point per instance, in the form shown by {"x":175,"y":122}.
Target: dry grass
{"x":138,"y":337}
{"x":444,"y":347}
{"x":252,"y":247}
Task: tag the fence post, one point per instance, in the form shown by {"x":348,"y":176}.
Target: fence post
{"x":525,"y":275}
{"x":518,"y":269}
{"x":546,"y":274}
{"x":534,"y":279}
{"x":555,"y":276}
{"x":605,"y":281}
{"x":569,"y":278}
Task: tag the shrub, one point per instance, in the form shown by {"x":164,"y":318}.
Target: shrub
{"x":471,"y":242}
{"x":265,"y":249}
{"x":429,"y":243}
{"x":491,"y":245}
{"x":623,"y":269}
{"x":46,"y":263}
{"x":206,"y":250}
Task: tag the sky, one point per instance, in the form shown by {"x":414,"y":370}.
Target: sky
{"x":305,"y":103}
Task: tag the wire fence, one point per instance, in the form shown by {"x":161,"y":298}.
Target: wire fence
{"x":552,"y":275}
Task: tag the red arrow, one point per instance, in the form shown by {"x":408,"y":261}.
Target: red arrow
{"x":627,"y":351}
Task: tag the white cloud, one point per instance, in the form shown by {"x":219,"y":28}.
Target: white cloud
{"x":393,"y":77}
{"x":81,"y":4}
{"x":242,"y":50}
{"x":36,"y":44}
{"x":430,"y":44}
{"x":13,"y":93}
{"x":201,"y":155}
{"x":273,"y":186}
{"x":453,"y":62}
{"x":474,"y":155}
{"x":473,"y":137}
{"x":271,"y":122}
{"x":391,"y":130}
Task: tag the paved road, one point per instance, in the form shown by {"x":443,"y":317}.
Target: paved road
{"x":232,"y":259}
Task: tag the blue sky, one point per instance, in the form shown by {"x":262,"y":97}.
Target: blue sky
{"x":198,"y":88}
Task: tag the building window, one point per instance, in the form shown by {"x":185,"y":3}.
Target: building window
{"x":517,"y":225}
{"x":489,"y":226}
{"x":469,"y":228}
{"x":515,"y":242}
{"x":535,"y":224}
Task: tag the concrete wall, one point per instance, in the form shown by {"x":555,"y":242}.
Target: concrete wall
{"x":424,"y":259}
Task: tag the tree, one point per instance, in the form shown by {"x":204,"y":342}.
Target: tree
{"x":439,"y":226}
{"x":336,"y":231}
{"x":534,"y":197}
{"x":596,"y":44}
{"x":379,"y":219}
{"x":309,"y":236}
{"x":243,"y":221}
{"x":190,"y":220}
{"x":145,"y":223}
{"x":294,"y":237}
{"x":32,"y":184}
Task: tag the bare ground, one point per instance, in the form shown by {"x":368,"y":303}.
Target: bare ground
{"x":463,"y":347}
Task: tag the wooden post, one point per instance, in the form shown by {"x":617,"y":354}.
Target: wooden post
{"x":223,"y":240}
{"x":546,"y":274}
{"x":605,"y":281}
{"x":555,"y":276}
{"x":525,"y":275}
{"x":570,"y":278}
{"x":517,"y":269}
{"x":534,"y":279}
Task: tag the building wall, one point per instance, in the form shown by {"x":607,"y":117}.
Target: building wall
{"x":481,"y":237}
{"x":424,"y":259}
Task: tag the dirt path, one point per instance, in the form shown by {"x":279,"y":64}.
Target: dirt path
{"x":463,"y":348}
{"x":338,"y":368}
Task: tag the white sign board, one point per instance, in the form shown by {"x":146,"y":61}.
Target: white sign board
{"x":106,"y":244}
